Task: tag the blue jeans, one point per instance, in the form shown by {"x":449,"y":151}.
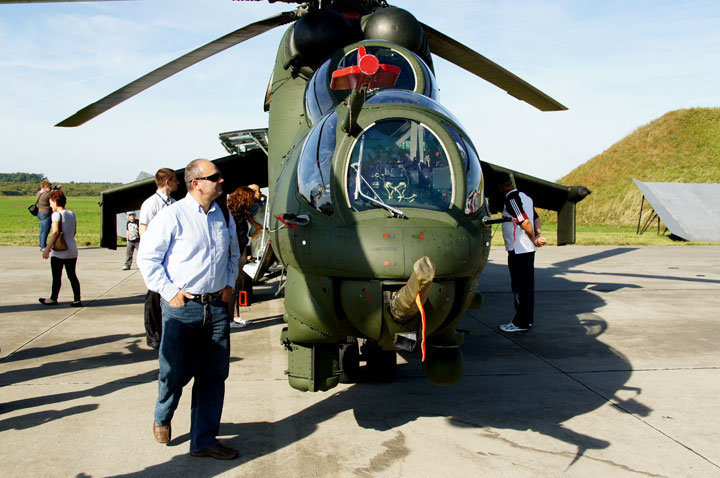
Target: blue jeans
{"x":44,"y":218}
{"x":195,"y":343}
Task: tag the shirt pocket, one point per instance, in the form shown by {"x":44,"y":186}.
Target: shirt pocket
{"x":221,"y":237}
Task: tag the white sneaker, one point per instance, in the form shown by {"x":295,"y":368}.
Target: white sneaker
{"x":239,"y":323}
{"x":126,"y":268}
{"x":510,"y":327}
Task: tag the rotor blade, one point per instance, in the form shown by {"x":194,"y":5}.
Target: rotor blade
{"x":464,"y":57}
{"x":175,"y":66}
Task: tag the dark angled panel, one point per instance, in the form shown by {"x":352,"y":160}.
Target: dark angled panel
{"x":237,"y":170}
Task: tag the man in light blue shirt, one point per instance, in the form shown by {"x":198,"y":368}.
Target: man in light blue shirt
{"x":189,"y":255}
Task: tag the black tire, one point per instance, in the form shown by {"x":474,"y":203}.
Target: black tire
{"x":350,"y":362}
{"x":381,"y":364}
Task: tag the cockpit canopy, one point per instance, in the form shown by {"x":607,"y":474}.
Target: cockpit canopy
{"x":395,"y":162}
{"x":415,"y":76}
{"x":315,"y":163}
{"x":400,"y":163}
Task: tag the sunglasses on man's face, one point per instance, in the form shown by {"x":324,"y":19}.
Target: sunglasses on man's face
{"x":213,"y":177}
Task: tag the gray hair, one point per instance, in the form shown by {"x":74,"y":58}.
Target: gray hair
{"x":192,"y":171}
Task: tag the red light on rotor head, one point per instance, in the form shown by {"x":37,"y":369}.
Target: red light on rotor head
{"x":369,"y":64}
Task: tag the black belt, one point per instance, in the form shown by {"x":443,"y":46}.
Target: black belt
{"x":206,"y":298}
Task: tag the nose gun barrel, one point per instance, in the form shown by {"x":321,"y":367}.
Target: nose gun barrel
{"x":488,"y":221}
{"x":403,"y":306}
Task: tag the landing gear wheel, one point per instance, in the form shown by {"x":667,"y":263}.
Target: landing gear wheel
{"x":350,"y":361}
{"x":381,"y":364}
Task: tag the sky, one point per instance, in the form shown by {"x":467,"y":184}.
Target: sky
{"x":616,"y":65}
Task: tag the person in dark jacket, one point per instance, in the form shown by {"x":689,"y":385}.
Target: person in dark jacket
{"x":43,"y":204}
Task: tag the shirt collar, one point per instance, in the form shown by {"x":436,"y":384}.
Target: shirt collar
{"x":510,"y":192}
{"x":196,"y":206}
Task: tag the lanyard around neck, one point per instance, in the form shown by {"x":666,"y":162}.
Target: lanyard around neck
{"x":165,"y":201}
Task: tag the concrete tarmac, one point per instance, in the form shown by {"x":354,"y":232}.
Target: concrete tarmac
{"x":619,"y":377}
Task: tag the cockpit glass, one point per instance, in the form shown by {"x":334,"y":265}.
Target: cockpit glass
{"x":405,"y":81}
{"x":399,"y":163}
{"x":473,"y":172}
{"x":319,"y":99}
{"x":317,"y":96}
{"x":315,"y":165}
{"x":409,"y":97}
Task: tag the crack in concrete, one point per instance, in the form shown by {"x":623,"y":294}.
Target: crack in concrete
{"x":600,"y":395}
{"x":496,"y":435}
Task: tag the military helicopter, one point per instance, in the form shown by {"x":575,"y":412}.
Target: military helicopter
{"x":380,"y":206}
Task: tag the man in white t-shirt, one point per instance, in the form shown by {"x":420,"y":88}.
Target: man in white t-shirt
{"x":521,"y":244}
{"x":167,"y":183}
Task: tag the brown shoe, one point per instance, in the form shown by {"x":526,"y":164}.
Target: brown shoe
{"x":217,"y":451}
{"x":162,"y":434}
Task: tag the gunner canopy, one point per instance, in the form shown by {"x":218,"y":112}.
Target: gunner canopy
{"x":399,"y":163}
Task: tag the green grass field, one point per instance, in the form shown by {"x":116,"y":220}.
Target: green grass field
{"x":606,"y":236}
{"x":19,"y":228}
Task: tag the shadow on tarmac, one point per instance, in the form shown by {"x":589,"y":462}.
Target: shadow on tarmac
{"x":40,"y":418}
{"x":37,"y":352}
{"x":260,"y":324}
{"x":579,"y":261}
{"x":101,"y":302}
{"x":132,"y":354}
{"x":532,"y":382}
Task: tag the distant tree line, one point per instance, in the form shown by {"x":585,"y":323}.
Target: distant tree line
{"x":70,"y":189}
{"x":21,"y":177}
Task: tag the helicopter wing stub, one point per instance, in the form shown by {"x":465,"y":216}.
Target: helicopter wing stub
{"x":177,"y":65}
{"x":472,"y":61}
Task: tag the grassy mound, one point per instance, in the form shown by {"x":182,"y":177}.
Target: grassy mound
{"x":681,"y":146}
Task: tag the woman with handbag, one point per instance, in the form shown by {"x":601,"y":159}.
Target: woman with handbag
{"x":61,"y":249}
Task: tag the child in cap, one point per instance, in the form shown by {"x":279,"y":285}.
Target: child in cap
{"x":133,"y":238}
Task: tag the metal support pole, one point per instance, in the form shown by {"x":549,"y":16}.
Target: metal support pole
{"x":648,"y":222}
{"x":642,"y":203}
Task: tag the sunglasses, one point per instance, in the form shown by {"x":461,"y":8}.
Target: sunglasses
{"x":213,"y":177}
